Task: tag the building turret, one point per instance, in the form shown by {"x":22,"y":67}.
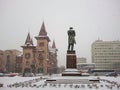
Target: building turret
{"x":42,"y":51}
{"x":42,"y":34}
{"x":28,"y":41}
{"x":28,"y":55}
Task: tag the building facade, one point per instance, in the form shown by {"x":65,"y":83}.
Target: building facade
{"x":81,"y":60}
{"x":8,"y":59}
{"x":106,"y":55}
{"x":82,"y":65}
{"x":37,"y":59}
{"x":2,"y":62}
{"x":52,"y":64}
{"x":85,"y":66}
{"x":18,"y":64}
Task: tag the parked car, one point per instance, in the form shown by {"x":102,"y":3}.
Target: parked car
{"x":1,"y":85}
{"x":13,"y":74}
{"x":40,"y":74}
{"x":1,"y":74}
{"x":28,"y":75}
{"x":85,"y":74}
{"x":112,"y":74}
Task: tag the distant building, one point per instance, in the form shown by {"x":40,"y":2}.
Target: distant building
{"x":106,"y":55}
{"x":52,"y":64}
{"x":18,"y":64}
{"x":85,"y":66}
{"x":8,"y":59}
{"x":81,"y":60}
{"x":2,"y":61}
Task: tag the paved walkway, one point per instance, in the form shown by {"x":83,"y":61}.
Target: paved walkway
{"x":71,"y":81}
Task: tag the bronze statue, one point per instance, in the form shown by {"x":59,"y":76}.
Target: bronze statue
{"x":71,"y":39}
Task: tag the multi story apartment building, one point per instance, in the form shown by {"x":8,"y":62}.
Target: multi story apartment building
{"x":8,"y":59}
{"x":106,"y":54}
{"x":18,"y":64}
{"x":2,"y":61}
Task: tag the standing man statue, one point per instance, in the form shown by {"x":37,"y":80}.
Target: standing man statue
{"x":71,"y":39}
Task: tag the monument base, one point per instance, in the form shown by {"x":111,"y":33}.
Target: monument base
{"x":71,"y":59}
{"x":71,"y":72}
{"x":71,"y":64}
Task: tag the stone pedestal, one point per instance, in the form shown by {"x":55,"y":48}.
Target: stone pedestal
{"x":71,"y":69}
{"x":71,"y":72}
{"x":71,"y":59}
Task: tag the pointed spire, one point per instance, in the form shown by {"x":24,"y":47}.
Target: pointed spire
{"x":42,"y":30}
{"x":42,"y":34}
{"x":31,"y":41}
{"x":53,"y":45}
{"x":28,"y":40}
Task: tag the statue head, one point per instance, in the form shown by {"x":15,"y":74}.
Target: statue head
{"x":71,"y":28}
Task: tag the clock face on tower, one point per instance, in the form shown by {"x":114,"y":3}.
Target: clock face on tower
{"x":27,"y":55}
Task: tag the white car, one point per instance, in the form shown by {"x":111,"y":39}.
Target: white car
{"x":1,"y":74}
{"x":85,"y":74}
{"x":28,"y":75}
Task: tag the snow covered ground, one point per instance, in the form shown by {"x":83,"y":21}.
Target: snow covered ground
{"x":37,"y":83}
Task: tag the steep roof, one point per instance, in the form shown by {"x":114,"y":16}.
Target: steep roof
{"x":29,"y":40}
{"x":53,"y":45}
{"x":42,"y":30}
{"x":42,"y":34}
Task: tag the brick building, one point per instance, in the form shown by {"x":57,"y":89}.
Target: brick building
{"x":2,"y":63}
{"x":18,"y":64}
{"x":8,"y":59}
{"x":39,"y":58}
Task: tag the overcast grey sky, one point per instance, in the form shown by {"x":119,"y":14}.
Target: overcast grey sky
{"x":90,"y":19}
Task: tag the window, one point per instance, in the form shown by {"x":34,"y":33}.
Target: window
{"x":27,"y":63}
{"x":41,"y":44}
{"x":8,"y":63}
{"x":40,"y":70}
{"x":8,"y":59}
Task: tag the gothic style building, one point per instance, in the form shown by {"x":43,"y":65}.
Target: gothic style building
{"x":40,"y":58}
